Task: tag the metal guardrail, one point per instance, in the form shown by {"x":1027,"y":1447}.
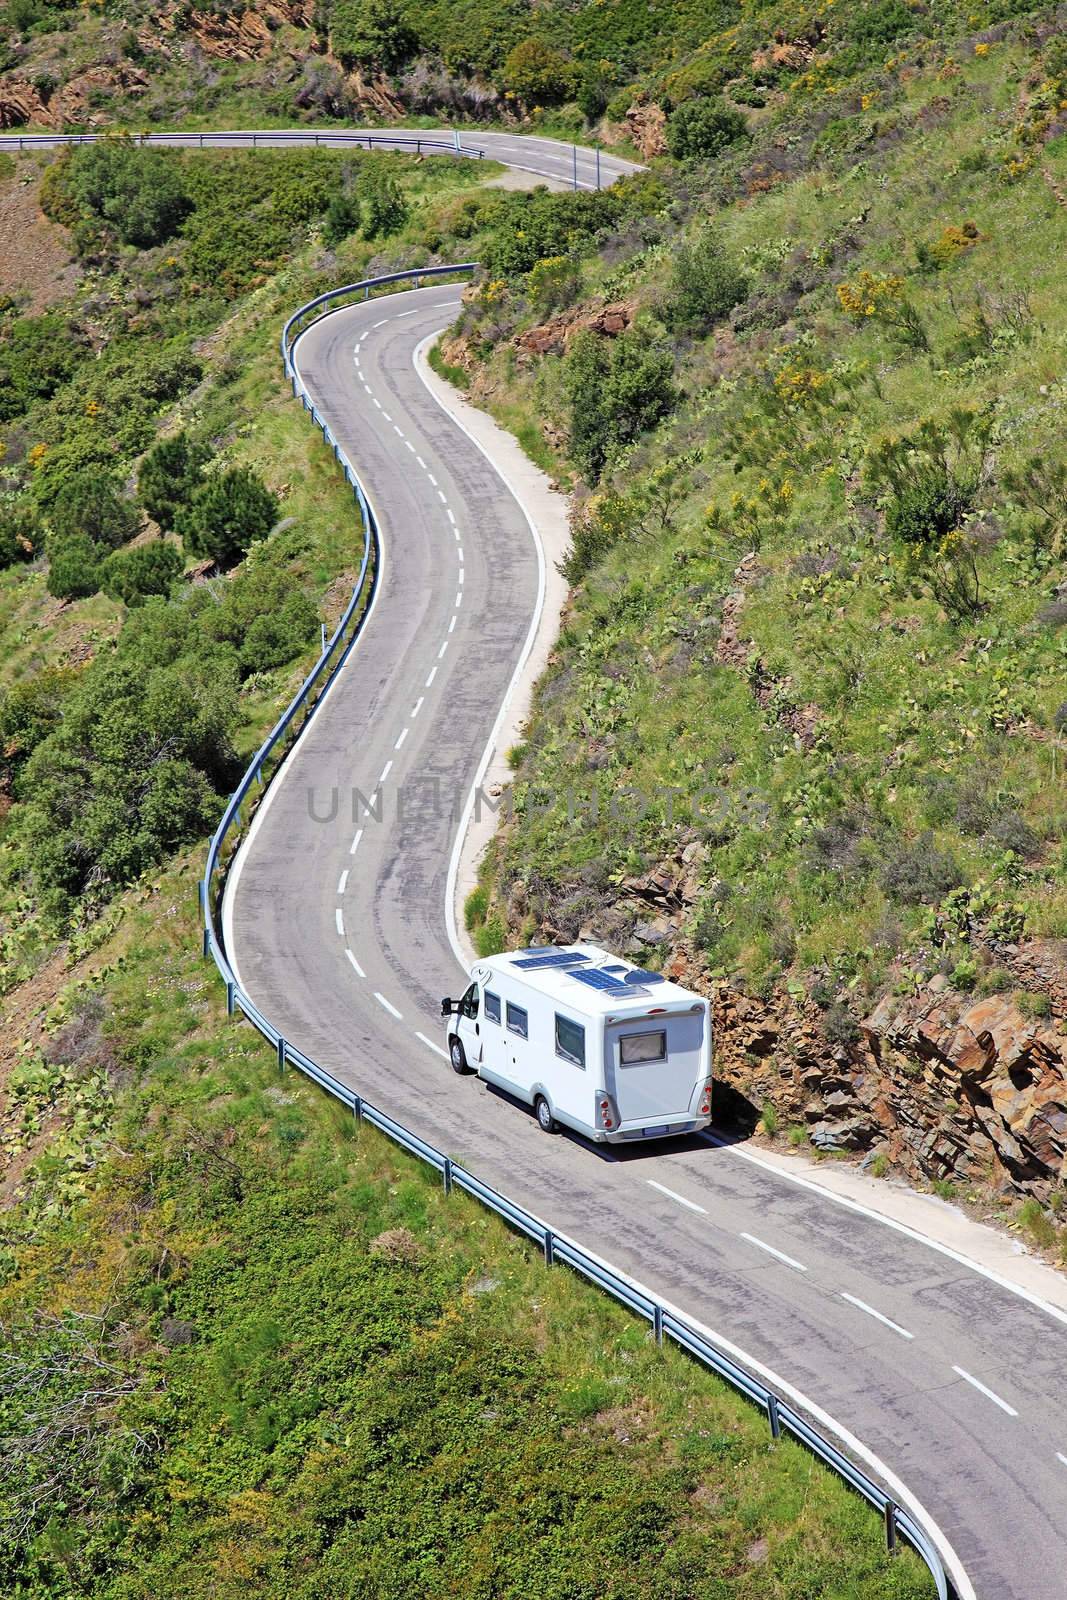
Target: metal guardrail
{"x":262,"y":138}
{"x":556,"y":1247}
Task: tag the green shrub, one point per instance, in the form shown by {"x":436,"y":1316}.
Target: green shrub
{"x":705,"y":284}
{"x":20,"y":532}
{"x":919,"y":871}
{"x":137,"y":192}
{"x":279,"y":633}
{"x":537,"y":74}
{"x":475,"y":907}
{"x":617,"y":390}
{"x":91,"y":503}
{"x":29,"y":710}
{"x":703,"y":128}
{"x":769,"y":1120}
{"x":170,"y":474}
{"x":148,"y":569}
{"x":37,"y":355}
{"x":383,"y":206}
{"x":1032,"y":1003}
{"x":373,"y":35}
{"x":344,"y":216}
{"x":73,"y":566}
{"x":492,"y":936}
{"x":229,"y":512}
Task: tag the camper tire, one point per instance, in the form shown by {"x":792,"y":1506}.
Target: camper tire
{"x":543,"y":1112}
{"x":457,"y":1055}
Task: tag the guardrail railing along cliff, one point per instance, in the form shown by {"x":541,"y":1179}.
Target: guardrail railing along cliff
{"x":556,"y":1247}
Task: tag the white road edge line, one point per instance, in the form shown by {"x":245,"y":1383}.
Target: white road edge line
{"x":896,"y":1486}
{"x":388,"y":1004}
{"x":761,"y":1244}
{"x":682,"y":1201}
{"x":354,"y":962}
{"x":342,"y":881}
{"x":861,"y":1210}
{"x":437,"y":1047}
{"x":871,"y":1312}
{"x":339,"y":918}
{"x":969,"y":1377}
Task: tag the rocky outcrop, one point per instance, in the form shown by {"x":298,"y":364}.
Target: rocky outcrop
{"x":21,"y":103}
{"x":646,"y":125}
{"x":241,"y":35}
{"x":555,"y":334}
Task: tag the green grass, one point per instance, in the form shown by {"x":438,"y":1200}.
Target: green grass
{"x":329,"y":1375}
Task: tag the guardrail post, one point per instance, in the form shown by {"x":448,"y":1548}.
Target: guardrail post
{"x":598,"y":168}
{"x":550,"y":1247}
{"x":253,"y":141}
{"x":446,"y":1175}
{"x":231,"y":1004}
{"x":574,"y":160}
{"x":357,"y":1108}
{"x":890,"y":1525}
{"x":201,"y":141}
{"x":281,"y":1054}
{"x":207,"y":943}
{"x":657,"y":1323}
{"x":773,"y":1417}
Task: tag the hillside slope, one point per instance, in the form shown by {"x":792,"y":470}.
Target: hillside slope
{"x":803,"y":738}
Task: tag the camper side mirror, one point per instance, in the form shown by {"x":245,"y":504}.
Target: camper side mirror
{"x":447,"y":1007}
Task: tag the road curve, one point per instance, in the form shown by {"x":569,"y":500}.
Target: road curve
{"x":566,"y":165}
{"x":337,"y":928}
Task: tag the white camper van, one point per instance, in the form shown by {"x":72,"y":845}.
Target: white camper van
{"x":611,"y":1051}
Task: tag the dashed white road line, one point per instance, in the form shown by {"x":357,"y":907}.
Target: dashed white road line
{"x":429,"y":680}
{"x":432,"y":479}
{"x":443,"y":648}
{"x":451,"y":627}
{"x":968,"y":1377}
{"x":400,"y":741}
{"x":386,"y":415}
{"x":421,"y":462}
{"x":339,"y":918}
{"x":461,"y":576}
{"x":691,"y":1205}
{"x":386,"y":770}
{"x":1061,"y":1457}
{"x":441,"y":497}
{"x":459,"y":598}
{"x":451,"y":516}
{"x":380,"y":324}
{"x":354,"y":846}
{"x":761,"y":1244}
{"x":871,"y":1312}
{"x":342,"y":881}
{"x":388,"y":1004}
{"x":354,"y":962}
{"x":398,"y":431}
{"x":437,"y":1047}
{"x":417,"y":707}
{"x":410,"y":446}
{"x":461,"y":556}
{"x":378,"y":403}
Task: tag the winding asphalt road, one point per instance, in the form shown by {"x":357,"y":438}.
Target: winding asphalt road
{"x":950,"y":1384}
{"x":338,"y":929}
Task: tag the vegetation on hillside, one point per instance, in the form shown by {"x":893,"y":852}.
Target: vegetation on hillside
{"x":820,"y":622}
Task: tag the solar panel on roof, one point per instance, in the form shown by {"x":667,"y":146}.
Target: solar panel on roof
{"x":638,"y":975}
{"x":597,"y":978}
{"x":556,"y":958}
{"x":615,"y":967}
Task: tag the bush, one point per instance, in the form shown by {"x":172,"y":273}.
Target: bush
{"x":596,"y":528}
{"x":703,"y":128}
{"x":538,"y":74}
{"x":73,"y":566}
{"x":37,"y":354}
{"x":343,"y":217}
{"x":229,"y":512}
{"x":134,"y":191}
{"x":373,"y":35}
{"x":170,"y":475}
{"x":920,"y":872}
{"x":29,"y":710}
{"x":384,"y":208}
{"x":706,"y":284}
{"x":91,"y":503}
{"x":617,"y":390}
{"x":20,"y":534}
{"x":148,"y":569}
{"x":278,"y":634}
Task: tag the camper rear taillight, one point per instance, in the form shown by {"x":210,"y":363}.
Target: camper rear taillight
{"x":604,"y":1116}
{"x":705,"y":1099}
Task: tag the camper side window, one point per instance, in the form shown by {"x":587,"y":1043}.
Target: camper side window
{"x":518,"y":1021}
{"x":492,"y":1006}
{"x":635,"y":1047}
{"x":570,"y":1041}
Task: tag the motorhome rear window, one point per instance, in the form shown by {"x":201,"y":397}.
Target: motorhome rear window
{"x":635,"y":1047}
{"x":518,"y":1021}
{"x":570,"y":1041}
{"x":492,"y":1006}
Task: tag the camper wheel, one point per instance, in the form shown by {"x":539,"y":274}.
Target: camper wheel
{"x":458,"y":1056}
{"x":543,"y":1112}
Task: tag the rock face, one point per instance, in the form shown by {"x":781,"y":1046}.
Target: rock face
{"x":552,"y":336}
{"x":22,"y":103}
{"x":243,"y":35}
{"x":647,"y":127}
